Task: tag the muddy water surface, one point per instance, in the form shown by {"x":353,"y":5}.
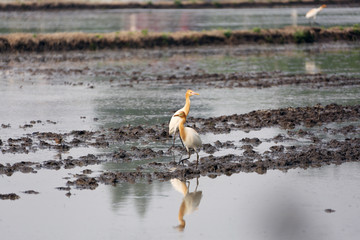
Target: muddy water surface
{"x":94,"y":91}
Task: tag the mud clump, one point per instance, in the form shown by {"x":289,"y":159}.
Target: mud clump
{"x":24,"y":167}
{"x":253,"y":141}
{"x":10,"y":196}
{"x":31,"y":192}
{"x":329,"y":210}
{"x":208,"y":148}
{"x":84,"y":182}
{"x":286,"y":118}
{"x":116,"y":177}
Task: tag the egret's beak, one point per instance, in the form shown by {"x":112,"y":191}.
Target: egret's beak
{"x":194,"y":93}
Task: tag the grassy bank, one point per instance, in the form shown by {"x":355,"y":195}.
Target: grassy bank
{"x":191,"y":4}
{"x":21,"y":42}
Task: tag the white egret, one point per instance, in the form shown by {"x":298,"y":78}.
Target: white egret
{"x":189,"y":136}
{"x":313,"y":12}
{"x":174,"y":121}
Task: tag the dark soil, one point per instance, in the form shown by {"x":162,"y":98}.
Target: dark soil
{"x":31,"y":192}
{"x":10,"y":196}
{"x":280,"y":156}
{"x":21,"y":42}
{"x":174,"y":74}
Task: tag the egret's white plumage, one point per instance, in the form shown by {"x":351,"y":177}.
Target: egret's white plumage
{"x":191,"y":139}
{"x":174,"y":121}
{"x":189,"y":136}
{"x":313,"y":12}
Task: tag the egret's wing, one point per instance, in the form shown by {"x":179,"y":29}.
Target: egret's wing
{"x":174,"y":122}
{"x":193,"y":139}
{"x":311,"y":13}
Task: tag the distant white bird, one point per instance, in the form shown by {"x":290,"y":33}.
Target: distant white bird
{"x":174,"y":121}
{"x":189,"y":136}
{"x":313,"y":12}
{"x":191,"y":200}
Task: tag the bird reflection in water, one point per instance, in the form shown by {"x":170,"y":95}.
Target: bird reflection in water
{"x":190,"y":201}
{"x":311,"y":67}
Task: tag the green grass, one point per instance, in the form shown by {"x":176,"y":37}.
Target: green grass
{"x":256,"y":30}
{"x":165,"y":38}
{"x":228,"y":33}
{"x":145,"y":32}
{"x":301,"y":36}
{"x":217,"y":4}
{"x":178,"y":3}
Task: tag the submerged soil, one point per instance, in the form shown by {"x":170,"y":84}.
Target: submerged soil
{"x":22,"y":42}
{"x":174,"y":73}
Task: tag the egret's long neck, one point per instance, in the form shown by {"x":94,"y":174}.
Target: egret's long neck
{"x":182,"y":129}
{"x":187,"y":104}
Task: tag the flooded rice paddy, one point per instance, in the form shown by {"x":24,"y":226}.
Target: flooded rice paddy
{"x":169,"y":20}
{"x":112,"y":107}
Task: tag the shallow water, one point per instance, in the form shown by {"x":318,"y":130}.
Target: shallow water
{"x":59,"y":98}
{"x":275,"y":205}
{"x":169,"y":20}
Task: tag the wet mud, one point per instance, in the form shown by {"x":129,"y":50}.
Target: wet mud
{"x":24,"y":42}
{"x":280,"y":157}
{"x":176,"y":74}
{"x":9,"y":196}
{"x":302,"y":122}
{"x":257,"y":80}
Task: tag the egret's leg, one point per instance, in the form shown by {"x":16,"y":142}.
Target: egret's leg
{"x":173,"y":145}
{"x":197,"y":159}
{"x":180,"y":158}
{"x":182,"y":161}
{"x":174,"y":139}
{"x":181,"y":140}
